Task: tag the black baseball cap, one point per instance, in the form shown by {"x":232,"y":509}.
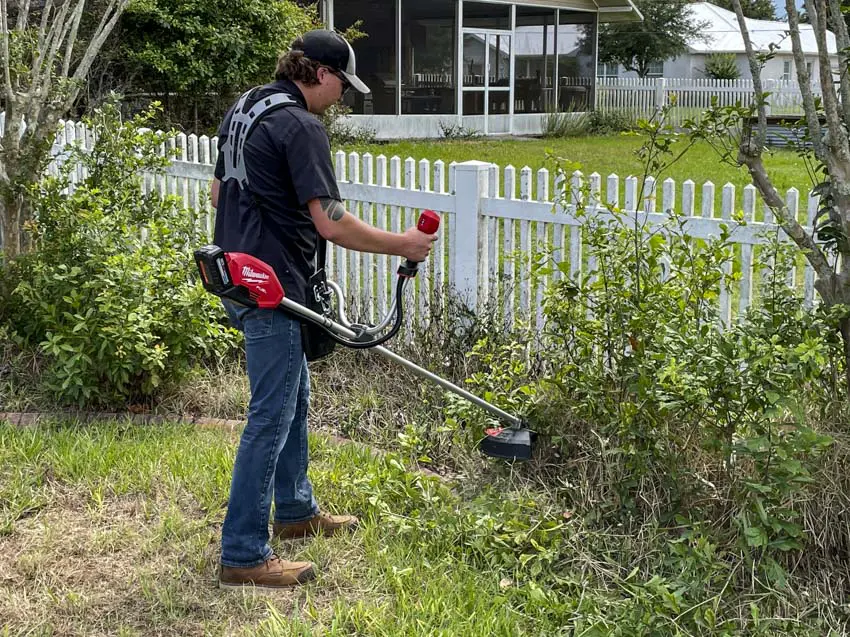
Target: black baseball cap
{"x":330,"y":49}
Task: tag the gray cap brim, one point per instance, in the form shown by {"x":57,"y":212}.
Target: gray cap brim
{"x":356,"y":82}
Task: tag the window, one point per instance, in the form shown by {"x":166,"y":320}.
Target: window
{"x":534,"y":65}
{"x":809,"y":69}
{"x":576,"y":60}
{"x":611,"y":69}
{"x":428,"y":56}
{"x":656,"y":69}
{"x":786,"y":71}
{"x":376,"y":54}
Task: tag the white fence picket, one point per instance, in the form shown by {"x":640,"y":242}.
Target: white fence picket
{"x":384,"y":276}
{"x":746,"y":287}
{"x":728,"y":204}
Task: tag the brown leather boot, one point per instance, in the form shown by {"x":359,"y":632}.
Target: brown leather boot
{"x":273,"y":573}
{"x":321,"y":524}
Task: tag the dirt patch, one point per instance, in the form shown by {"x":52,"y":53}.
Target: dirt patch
{"x":79,"y":569}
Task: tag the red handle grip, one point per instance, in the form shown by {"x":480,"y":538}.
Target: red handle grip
{"x":429,"y":222}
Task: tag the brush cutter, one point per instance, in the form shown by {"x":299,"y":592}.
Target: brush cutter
{"x":251,"y":282}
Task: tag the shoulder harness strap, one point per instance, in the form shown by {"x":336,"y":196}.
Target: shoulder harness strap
{"x":241,"y":125}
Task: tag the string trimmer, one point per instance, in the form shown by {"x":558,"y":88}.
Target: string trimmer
{"x":246,"y":280}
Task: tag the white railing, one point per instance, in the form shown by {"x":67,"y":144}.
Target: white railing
{"x":642,"y":97}
{"x":496,"y":222}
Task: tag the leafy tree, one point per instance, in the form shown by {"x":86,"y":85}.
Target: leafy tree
{"x":759,"y":9}
{"x":195,"y":56}
{"x":46,"y":51}
{"x":664,"y":33}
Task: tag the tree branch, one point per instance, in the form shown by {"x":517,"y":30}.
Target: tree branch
{"x":65,"y":25}
{"x":837,"y":137}
{"x":45,"y":20}
{"x":116,"y":7}
{"x":842,"y":41}
{"x":23,"y":15}
{"x":4,"y":33}
{"x":72,"y":38}
{"x":45,"y":40}
{"x":792,"y":227}
{"x":804,"y":80}
{"x":755,"y":70}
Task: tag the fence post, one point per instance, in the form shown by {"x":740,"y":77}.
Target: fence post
{"x":471,"y":184}
{"x":660,"y":92}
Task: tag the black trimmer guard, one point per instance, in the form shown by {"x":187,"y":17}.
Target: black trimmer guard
{"x":511,"y":443}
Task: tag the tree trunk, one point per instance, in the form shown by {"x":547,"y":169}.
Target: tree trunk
{"x":10,"y":229}
{"x":844,"y":327}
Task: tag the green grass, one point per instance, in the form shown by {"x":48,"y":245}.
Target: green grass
{"x":114,"y":529}
{"x":603,"y":154}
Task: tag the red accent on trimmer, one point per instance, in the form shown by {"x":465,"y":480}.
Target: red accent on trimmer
{"x":257,"y":277}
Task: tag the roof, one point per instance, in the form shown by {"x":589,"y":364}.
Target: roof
{"x":724,"y":35}
{"x":608,"y":10}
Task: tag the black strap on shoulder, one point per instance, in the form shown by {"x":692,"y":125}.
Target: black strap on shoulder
{"x":242,"y":123}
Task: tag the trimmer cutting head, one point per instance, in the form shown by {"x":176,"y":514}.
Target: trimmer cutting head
{"x":510,"y":443}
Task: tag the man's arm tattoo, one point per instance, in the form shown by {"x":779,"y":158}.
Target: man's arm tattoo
{"x":333,"y":207}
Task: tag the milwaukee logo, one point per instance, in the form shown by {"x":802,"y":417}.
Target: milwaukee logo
{"x":250,"y":273}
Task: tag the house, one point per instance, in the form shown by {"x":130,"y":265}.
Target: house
{"x":723,"y":35}
{"x":495,"y":67}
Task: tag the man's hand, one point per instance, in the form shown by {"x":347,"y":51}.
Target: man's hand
{"x":419,"y":244}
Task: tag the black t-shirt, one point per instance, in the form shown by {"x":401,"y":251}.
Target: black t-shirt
{"x":288,"y":162}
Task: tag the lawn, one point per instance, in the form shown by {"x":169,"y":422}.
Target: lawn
{"x":602,"y":154}
{"x":113,"y":529}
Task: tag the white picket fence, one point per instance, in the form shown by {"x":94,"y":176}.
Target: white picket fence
{"x":489,"y":219}
{"x":642,"y":97}
{"x":495,"y":223}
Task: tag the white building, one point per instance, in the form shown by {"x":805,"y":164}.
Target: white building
{"x":723,"y":35}
{"x":492,"y":66}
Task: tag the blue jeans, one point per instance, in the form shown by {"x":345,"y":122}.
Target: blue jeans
{"x":272,"y":455}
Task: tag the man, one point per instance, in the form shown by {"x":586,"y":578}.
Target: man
{"x":274,"y":200}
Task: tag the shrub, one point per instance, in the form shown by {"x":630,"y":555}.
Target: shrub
{"x":341,"y":131}
{"x":680,"y":417}
{"x":451,"y":130}
{"x":566,"y":124}
{"x":721,"y":66}
{"x":109,"y":293}
{"x":608,"y":122}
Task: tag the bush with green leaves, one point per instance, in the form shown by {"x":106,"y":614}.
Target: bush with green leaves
{"x":722,"y":66}
{"x":573,"y":124}
{"x":342,"y":131}
{"x":680,"y":417}
{"x":109,"y":294}
{"x":195,"y":56}
{"x":610,"y":121}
